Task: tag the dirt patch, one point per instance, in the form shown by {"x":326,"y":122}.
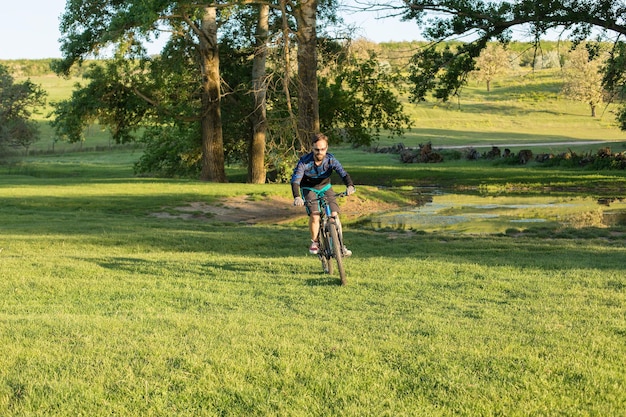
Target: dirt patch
{"x":240,"y":209}
{"x":270,"y":210}
{"x":354,"y":207}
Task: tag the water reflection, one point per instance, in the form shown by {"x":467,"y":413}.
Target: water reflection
{"x":438,"y":210}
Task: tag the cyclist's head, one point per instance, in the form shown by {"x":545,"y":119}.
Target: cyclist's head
{"x":319,"y":143}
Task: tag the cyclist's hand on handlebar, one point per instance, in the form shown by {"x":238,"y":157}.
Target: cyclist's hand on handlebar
{"x":350,"y":190}
{"x":298,"y":201}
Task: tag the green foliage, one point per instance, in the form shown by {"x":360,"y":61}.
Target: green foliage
{"x":107,"y":98}
{"x":443,"y":71}
{"x":281,"y":165}
{"x":359,"y":98}
{"x":237,"y":104}
{"x":485,"y":21}
{"x":171,"y":151}
{"x":583,"y":80}
{"x":492,"y":62}
{"x":370,"y":105}
{"x":614,"y":79}
{"x":124,"y":28}
{"x":28,"y":67}
{"x":18,"y":101}
{"x":159,"y":97}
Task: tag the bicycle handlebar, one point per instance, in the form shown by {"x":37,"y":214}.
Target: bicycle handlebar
{"x":342,"y":194}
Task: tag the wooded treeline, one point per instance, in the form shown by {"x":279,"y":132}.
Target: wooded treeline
{"x":173,"y":156}
{"x":233,"y":81}
{"x":253,"y":80}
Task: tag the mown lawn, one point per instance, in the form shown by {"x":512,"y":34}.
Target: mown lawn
{"x":107,"y":310}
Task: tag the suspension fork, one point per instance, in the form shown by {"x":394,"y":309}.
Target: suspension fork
{"x":339,"y":228}
{"x":335,"y":220}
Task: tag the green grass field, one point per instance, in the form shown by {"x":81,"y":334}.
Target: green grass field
{"x":106,"y":309}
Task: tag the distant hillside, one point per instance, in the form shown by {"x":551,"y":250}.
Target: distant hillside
{"x":28,"y":67}
{"x":525,"y":53}
{"x":524,"y":106}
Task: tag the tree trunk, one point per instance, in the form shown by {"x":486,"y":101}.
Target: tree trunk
{"x":308,"y":106}
{"x":286,"y":32}
{"x":593,"y":109}
{"x":213,"y":168}
{"x":258,"y":119}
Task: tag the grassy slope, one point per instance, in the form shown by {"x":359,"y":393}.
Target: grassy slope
{"x":523,"y":108}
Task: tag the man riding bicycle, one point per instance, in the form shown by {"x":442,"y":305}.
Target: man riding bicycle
{"x":313,"y":170}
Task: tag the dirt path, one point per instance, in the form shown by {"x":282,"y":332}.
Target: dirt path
{"x":270,"y":210}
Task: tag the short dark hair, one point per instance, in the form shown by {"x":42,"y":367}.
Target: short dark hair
{"x":316,"y":137}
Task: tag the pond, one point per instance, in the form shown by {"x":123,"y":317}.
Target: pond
{"x":437,"y":210}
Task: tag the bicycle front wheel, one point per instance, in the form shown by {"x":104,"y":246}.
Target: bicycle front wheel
{"x":336,"y":248}
{"x":327,"y":266}
{"x":324,"y":253}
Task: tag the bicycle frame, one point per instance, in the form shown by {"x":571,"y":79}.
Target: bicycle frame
{"x":330,"y":238}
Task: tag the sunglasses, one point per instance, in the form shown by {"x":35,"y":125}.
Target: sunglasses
{"x":319,"y":149}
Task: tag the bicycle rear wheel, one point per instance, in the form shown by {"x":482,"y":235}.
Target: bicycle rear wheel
{"x":336,"y":248}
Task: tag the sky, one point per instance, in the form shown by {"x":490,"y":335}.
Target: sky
{"x":30,"y":29}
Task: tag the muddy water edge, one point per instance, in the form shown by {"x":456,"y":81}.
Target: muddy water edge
{"x":436,"y":209}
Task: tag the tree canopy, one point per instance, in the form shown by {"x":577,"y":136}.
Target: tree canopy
{"x":191,"y":54}
{"x":18,"y":101}
{"x":444,"y":70}
{"x":234,"y":53}
{"x":583,"y":80}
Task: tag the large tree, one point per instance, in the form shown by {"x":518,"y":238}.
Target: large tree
{"x":493,"y":61}
{"x":305,"y":12}
{"x":258,"y":118}
{"x":181,"y":90}
{"x":89,"y":27}
{"x":358,"y":93}
{"x":444,"y":71}
{"x":583,"y":80}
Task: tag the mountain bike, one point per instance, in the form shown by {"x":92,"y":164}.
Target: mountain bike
{"x":330,"y":236}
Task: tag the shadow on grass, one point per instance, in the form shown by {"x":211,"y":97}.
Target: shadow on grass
{"x":441,"y":137}
{"x":323,"y":280}
{"x":122,"y":222}
{"x":504,"y":109}
{"x":256,"y":247}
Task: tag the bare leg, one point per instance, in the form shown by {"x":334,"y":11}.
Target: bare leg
{"x":314,"y":225}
